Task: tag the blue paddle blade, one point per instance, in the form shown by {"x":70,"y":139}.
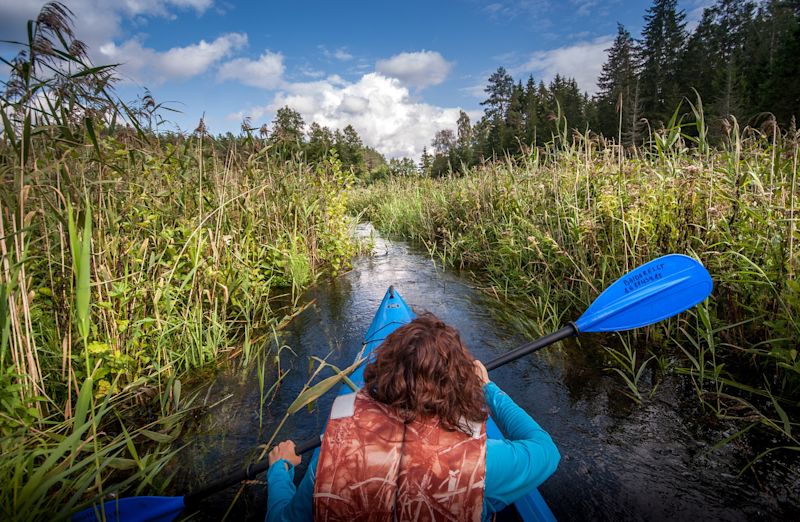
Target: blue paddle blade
{"x":659,"y":289}
{"x":134,"y":509}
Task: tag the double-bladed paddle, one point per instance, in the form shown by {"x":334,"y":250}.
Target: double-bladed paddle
{"x":655,"y":291}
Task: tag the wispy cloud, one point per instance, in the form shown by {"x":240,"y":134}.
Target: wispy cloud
{"x":694,"y":12}
{"x":584,"y":7}
{"x":309,"y":72}
{"x":510,"y":9}
{"x":475,"y":90}
{"x":340,"y":54}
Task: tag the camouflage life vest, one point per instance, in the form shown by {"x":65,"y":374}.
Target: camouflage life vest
{"x":374,"y":467}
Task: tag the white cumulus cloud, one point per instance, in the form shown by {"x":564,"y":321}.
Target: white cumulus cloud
{"x":582,"y":61}
{"x":380,"y":108}
{"x":150,"y":66}
{"x":419,"y":69}
{"x":266,"y":72}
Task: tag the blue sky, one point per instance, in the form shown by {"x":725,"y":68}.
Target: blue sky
{"x":397,"y":72}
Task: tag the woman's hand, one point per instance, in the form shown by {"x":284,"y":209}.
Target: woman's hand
{"x":480,"y":369}
{"x":285,"y":451}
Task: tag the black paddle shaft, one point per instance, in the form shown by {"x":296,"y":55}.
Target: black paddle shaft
{"x":568,"y":331}
{"x":250,"y":472}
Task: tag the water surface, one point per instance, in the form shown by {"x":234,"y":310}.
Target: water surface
{"x":620,"y":460}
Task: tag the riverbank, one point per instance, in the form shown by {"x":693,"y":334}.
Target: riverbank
{"x":549,"y":232}
{"x":130,"y":261}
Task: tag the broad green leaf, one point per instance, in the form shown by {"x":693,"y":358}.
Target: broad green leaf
{"x":121,"y":463}
{"x":176,"y":393}
{"x":81,"y":408}
{"x":93,"y":137}
{"x":313,"y":393}
{"x":83,"y":276}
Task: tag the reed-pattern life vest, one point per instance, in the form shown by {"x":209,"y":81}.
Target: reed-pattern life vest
{"x":374,"y":467}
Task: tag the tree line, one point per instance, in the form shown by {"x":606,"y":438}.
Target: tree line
{"x":742,"y":60}
{"x":287,"y":138}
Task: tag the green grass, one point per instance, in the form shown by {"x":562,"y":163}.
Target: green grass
{"x":128,"y":259}
{"x":552,"y":230}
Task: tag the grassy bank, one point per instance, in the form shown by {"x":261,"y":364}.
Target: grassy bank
{"x":552,"y":230}
{"x":128,"y":258}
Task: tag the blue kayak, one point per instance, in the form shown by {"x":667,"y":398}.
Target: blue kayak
{"x":393,"y":313}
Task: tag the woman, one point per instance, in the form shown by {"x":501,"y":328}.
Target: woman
{"x":412,"y":443}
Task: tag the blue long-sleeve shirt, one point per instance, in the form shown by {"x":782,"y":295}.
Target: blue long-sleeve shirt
{"x":513,"y":467}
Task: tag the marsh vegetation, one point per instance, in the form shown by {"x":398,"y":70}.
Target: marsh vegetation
{"x":133,"y":259}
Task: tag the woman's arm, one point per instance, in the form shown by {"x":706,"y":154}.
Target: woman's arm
{"x":517,"y":465}
{"x":284,"y":501}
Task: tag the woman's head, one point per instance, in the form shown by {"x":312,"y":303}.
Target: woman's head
{"x":424,"y":370}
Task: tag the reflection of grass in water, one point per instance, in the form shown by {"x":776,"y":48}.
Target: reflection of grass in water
{"x":308,"y":396}
{"x":625,"y":365}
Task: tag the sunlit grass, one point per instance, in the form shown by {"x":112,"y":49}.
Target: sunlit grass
{"x":129,"y":258}
{"x":549,"y":231}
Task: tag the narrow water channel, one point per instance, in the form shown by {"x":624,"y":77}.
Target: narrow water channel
{"x":620,"y":461}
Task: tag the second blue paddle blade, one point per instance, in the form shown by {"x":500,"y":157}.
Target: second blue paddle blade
{"x":133,"y":509}
{"x":656,"y":290}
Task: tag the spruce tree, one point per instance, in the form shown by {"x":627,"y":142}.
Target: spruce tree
{"x":618,"y":104}
{"x":425,"y":163}
{"x":514,"y":129}
{"x":663,"y":40}
{"x":500,"y":88}
{"x":320,"y":141}
{"x":779,"y":86}
{"x":531,"y":112}
{"x":546,"y":114}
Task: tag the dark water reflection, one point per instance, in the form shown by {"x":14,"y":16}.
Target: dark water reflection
{"x":620,"y":461}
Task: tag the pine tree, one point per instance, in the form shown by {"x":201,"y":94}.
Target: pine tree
{"x":663,"y":40}
{"x":480,"y":140}
{"x":350,"y":148}
{"x":320,"y":141}
{"x":500,"y":87}
{"x":717,"y":56}
{"x":287,"y":132}
{"x":566,"y":101}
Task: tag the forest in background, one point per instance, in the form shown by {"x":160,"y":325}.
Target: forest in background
{"x":741,"y":60}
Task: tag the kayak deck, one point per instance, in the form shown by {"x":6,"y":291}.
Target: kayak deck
{"x":393,"y":313}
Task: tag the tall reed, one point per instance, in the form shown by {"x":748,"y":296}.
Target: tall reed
{"x":551,"y":230}
{"x":128,"y":258}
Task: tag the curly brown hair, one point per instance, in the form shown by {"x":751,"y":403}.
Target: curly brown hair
{"x":424,"y":370}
